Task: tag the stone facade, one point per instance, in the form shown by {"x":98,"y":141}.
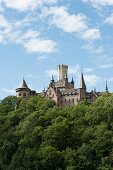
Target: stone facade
{"x":62,"y":91}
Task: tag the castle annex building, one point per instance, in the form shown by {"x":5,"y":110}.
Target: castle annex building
{"x":63,"y":91}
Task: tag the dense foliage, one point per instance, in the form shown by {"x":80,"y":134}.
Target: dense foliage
{"x":37,"y":135}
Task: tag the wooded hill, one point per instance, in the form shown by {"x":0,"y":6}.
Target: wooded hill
{"x":37,"y":135}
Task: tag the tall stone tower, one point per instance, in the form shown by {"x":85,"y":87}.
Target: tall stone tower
{"x":62,"y":74}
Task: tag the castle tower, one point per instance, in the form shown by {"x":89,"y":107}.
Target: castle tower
{"x":63,"y":75}
{"x":62,"y":72}
{"x":82,"y":89}
{"x":23,"y":91}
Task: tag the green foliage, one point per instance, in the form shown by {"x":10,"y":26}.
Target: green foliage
{"x":35,"y":134}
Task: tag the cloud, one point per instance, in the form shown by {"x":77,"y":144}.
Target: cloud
{"x":63,"y":20}
{"x":91,"y":34}
{"x":106,"y":66}
{"x":88,"y":70}
{"x":24,"y":5}
{"x":4,"y":24}
{"x":31,"y":76}
{"x":41,"y":58}
{"x":99,"y":3}
{"x":70,"y":23}
{"x":1,"y":39}
{"x":109,"y":20}
{"x":74,"y":69}
{"x":42,"y":46}
{"x":110,"y":79}
{"x":9,"y":91}
{"x":49,"y":73}
{"x":91,"y":80}
{"x":34,"y":44}
{"x":29,"y":39}
{"x":91,"y":48}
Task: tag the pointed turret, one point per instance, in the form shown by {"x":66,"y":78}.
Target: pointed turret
{"x":82,"y":82}
{"x":52,"y":79}
{"x":106,"y":89}
{"x":72,"y":81}
{"x":23,"y":84}
{"x":23,"y":91}
{"x":82,"y":89}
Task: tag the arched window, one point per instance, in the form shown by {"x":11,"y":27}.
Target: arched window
{"x":24,"y":94}
{"x":19,"y":94}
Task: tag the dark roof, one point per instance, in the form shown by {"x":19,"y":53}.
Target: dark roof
{"x":82,"y":82}
{"x":23,"y":84}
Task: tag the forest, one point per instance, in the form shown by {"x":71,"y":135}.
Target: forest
{"x":35,"y":134}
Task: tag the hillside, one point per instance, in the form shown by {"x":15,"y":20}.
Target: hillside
{"x":37,"y":135}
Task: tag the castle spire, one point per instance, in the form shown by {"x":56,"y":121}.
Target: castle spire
{"x":52,"y":79}
{"x":106,"y":89}
{"x":23,"y":84}
{"x":82,"y":82}
{"x":72,"y":81}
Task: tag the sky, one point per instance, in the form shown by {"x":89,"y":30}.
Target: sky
{"x":38,"y":35}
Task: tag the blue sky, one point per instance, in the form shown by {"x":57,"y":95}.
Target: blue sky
{"x":37,"y":35}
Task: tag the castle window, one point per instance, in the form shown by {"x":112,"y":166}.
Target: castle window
{"x":65,"y":100}
{"x":19,"y":94}
{"x":61,"y":101}
{"x":69,"y":100}
{"x":24,"y":94}
{"x":73,"y":100}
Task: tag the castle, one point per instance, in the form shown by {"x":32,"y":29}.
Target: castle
{"x":62,"y":91}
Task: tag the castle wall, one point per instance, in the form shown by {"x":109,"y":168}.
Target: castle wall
{"x":68,"y":100}
{"x":23,"y":94}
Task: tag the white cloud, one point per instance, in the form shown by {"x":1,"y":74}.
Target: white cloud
{"x":49,"y":73}
{"x":106,"y":66}
{"x":74,"y":69}
{"x":110,"y":79}
{"x":109,"y":20}
{"x":29,"y":39}
{"x":62,"y":19}
{"x":4,"y":24}
{"x":9,"y":91}
{"x":88,"y":70}
{"x":1,"y":39}
{"x":91,"y":80}
{"x":71,"y":23}
{"x":24,"y":5}
{"x":38,"y":45}
{"x":30,"y":76}
{"x":41,"y":58}
{"x":91,"y":34}
{"x":99,"y":3}
{"x":93,"y":49}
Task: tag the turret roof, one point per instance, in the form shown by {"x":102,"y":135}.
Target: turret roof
{"x":23,"y":84}
{"x":82,"y":82}
{"x":106,"y":87}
